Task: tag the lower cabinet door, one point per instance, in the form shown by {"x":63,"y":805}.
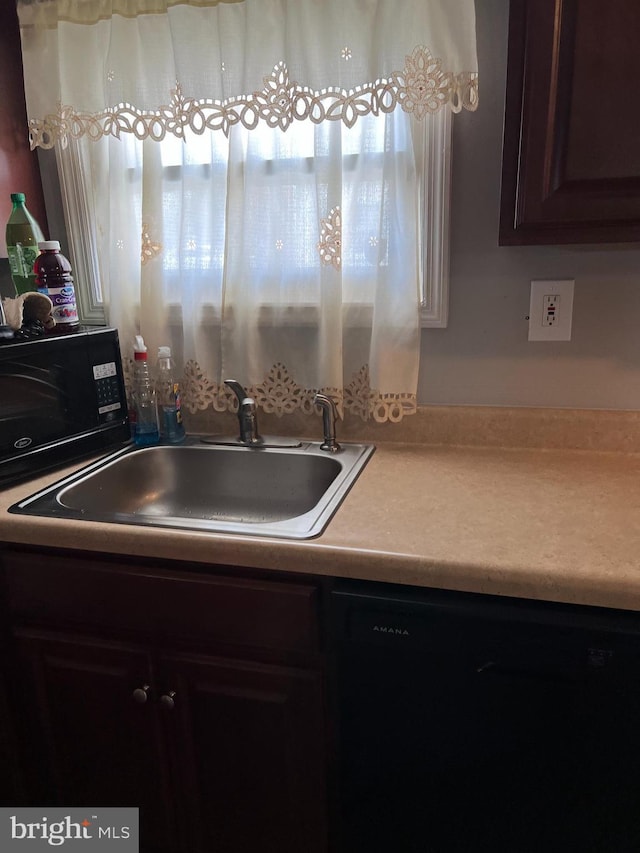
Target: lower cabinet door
{"x":247,"y":746}
{"x":92,"y":731}
{"x":12,"y":791}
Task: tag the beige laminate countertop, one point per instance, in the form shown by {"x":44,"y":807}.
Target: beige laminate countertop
{"x":555,"y":525}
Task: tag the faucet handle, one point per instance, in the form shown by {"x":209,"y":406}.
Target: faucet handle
{"x":329,"y":417}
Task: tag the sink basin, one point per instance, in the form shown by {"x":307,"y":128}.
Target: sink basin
{"x":290,"y":492}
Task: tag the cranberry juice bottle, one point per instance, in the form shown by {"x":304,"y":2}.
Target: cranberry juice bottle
{"x":54,"y":279}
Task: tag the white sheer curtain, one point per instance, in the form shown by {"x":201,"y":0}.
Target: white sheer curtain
{"x":265,"y":220}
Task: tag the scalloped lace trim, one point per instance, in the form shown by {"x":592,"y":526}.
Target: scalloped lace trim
{"x":279,"y":394}
{"x":422,"y":87}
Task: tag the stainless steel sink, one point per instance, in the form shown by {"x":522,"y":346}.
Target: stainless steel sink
{"x":286,"y":492}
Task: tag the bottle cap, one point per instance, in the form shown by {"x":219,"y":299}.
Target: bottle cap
{"x":18,"y":196}
{"x":164,"y":352}
{"x":49,"y":244}
{"x":139,"y":349}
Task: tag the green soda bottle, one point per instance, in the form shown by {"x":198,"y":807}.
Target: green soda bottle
{"x":23,"y":235}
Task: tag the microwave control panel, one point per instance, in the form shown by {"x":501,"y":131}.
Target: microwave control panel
{"x":107,"y":390}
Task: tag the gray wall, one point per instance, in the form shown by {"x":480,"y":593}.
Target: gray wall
{"x":484,"y":357}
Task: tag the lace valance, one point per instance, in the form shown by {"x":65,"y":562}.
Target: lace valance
{"x":156,"y":67}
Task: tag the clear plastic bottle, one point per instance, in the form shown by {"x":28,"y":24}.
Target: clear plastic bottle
{"x":145,"y":431}
{"x":169,"y":400}
{"x":53,"y":278}
{"x":23,"y":235}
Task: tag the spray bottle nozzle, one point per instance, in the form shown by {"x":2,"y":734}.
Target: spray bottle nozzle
{"x":139,"y":349}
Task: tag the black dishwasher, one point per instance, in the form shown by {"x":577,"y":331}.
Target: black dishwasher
{"x":478,"y":723}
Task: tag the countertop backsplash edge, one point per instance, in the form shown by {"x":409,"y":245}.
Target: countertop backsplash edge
{"x":470,"y":426}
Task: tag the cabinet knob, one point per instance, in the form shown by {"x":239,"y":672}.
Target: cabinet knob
{"x":141,"y":694}
{"x":167,"y":700}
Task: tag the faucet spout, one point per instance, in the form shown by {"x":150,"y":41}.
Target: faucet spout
{"x":247,"y":414}
{"x":329,"y":417}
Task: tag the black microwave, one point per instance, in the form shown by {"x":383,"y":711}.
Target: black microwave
{"x":61,"y":398}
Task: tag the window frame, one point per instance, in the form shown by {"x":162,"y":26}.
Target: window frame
{"x":75,"y":193}
{"x":435,"y":207}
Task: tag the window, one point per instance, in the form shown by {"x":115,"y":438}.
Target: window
{"x":195,"y":170}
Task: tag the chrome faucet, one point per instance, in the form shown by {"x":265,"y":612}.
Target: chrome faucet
{"x":247,"y":414}
{"x":329,"y":417}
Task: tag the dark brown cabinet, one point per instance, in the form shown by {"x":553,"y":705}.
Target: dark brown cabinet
{"x":571,"y":155}
{"x":11,"y":780}
{"x":248,"y":745}
{"x":197,"y":697}
{"x":88,"y":739}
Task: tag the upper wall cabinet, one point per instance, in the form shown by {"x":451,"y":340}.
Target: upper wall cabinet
{"x":571,"y":156}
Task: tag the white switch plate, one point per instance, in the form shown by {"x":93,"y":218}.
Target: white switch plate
{"x":551,"y":310}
